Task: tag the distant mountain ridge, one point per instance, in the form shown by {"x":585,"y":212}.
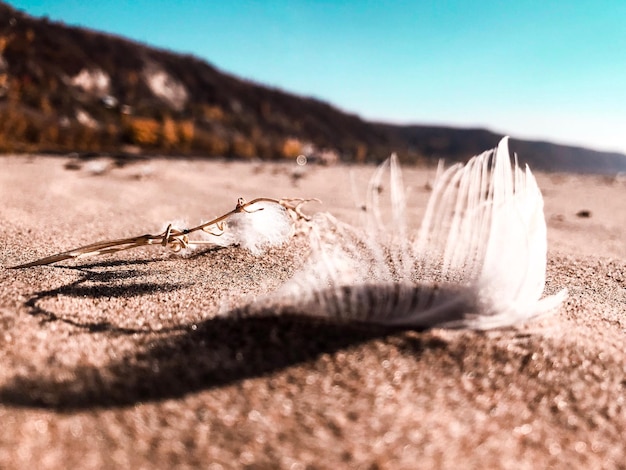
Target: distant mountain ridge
{"x":65,"y":89}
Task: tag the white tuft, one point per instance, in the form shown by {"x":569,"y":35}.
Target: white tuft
{"x":261,"y":226}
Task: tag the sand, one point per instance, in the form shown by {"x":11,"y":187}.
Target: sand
{"x":132,"y":361}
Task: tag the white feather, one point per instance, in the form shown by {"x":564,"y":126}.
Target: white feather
{"x":478,"y":259}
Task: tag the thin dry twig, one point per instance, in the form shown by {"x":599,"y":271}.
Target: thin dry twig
{"x":176,"y":239}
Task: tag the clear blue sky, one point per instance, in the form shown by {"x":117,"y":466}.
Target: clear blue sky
{"x":552,"y":70}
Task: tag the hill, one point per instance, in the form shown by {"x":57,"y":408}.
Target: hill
{"x":65,"y":89}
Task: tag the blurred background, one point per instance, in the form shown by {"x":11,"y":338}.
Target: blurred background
{"x":335,"y":81}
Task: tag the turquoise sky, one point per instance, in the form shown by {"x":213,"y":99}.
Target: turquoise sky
{"x":553,"y":70}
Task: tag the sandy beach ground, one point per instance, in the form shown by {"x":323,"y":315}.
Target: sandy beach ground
{"x":126,"y":362}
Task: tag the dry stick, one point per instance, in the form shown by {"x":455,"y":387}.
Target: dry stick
{"x":175,"y":238}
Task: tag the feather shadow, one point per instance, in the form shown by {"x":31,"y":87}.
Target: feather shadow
{"x":215,"y":353}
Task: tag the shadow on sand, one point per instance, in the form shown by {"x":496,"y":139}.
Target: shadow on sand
{"x":214,"y":353}
{"x":187,"y":358}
